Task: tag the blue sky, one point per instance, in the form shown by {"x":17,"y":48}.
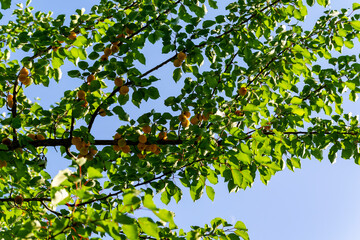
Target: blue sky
{"x":319,"y":201}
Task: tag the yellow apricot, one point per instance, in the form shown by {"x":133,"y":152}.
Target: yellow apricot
{"x":129,"y":31}
{"x":114,"y":48}
{"x":242,"y":91}
{"x":125,"y":149}
{"x":186,"y":123}
{"x":24,"y":71}
{"x":107,"y":51}
{"x":90,"y":78}
{"x":177,"y":63}
{"x":141,"y":146}
{"x":104,"y":58}
{"x":102,"y":112}
{"x":116,"y":148}
{"x":32,"y":136}
{"x":141,"y":156}
{"x":163,"y":135}
{"x":119,"y":81}
{"x":121,"y":142}
{"x":40,"y":137}
{"x":182,"y":118}
{"x":81,"y":94}
{"x":186,"y":113}
{"x":124,"y":90}
{"x":27,"y":81}
{"x":142,"y":139}
{"x":84,"y":150}
{"x":121,"y":35}
{"x":22,"y":77}
{"x":75,"y":140}
{"x":146,"y":129}
{"x":72,"y":36}
{"x":117,"y":136}
{"x":194,"y":120}
{"x":181,"y":56}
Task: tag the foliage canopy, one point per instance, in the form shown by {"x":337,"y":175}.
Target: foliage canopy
{"x":253,"y":85}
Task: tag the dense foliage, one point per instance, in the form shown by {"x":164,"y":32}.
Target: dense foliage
{"x":254,"y":84}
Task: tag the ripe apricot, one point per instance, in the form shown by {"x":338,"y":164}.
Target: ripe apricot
{"x":177,"y":63}
{"x":24,"y":71}
{"x":84,"y":150}
{"x":3,"y":163}
{"x":239,"y":113}
{"x":182,"y":118}
{"x":107,"y":51}
{"x":141,"y":156}
{"x":27,"y":81}
{"x":102,"y":112}
{"x":121,"y":35}
{"x":129,"y":31}
{"x":141,"y":146}
{"x":194,"y":120}
{"x":117,"y":136}
{"x":146,"y":129}
{"x":93,"y":151}
{"x":186,"y":113}
{"x":116,"y":148}
{"x":32,"y":136}
{"x":153,"y":148}
{"x":6,"y":141}
{"x":125,"y":149}
{"x":22,"y":77}
{"x":19,"y":200}
{"x":104,"y":58}
{"x":124,"y":90}
{"x":10,"y":101}
{"x":90,"y":78}
{"x":121,"y":142}
{"x":75,"y":140}
{"x":206,"y":116}
{"x":85,"y":104}
{"x":163,"y":135}
{"x":242,"y":91}
{"x":181,"y":56}
{"x":40,"y":137}
{"x":81,"y":94}
{"x":186,"y":123}
{"x":72,"y":36}
{"x":142,"y":139}
{"x":119,"y":81}
{"x":114,"y":48}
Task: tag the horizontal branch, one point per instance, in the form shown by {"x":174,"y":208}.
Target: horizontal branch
{"x":26,"y":199}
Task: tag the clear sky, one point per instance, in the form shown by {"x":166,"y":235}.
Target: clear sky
{"x":319,"y":201}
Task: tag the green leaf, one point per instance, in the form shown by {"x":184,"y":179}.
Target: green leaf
{"x":148,"y":202}
{"x":210,"y":192}
{"x":131,"y":231}
{"x":355,"y":24}
{"x":323,"y":3}
{"x":250,"y":108}
{"x":74,"y":73}
{"x":153,"y":93}
{"x":149,"y":227}
{"x":94,"y":173}
{"x":310,"y":2}
{"x":355,"y":6}
{"x":177,"y":74}
{"x":5,"y":4}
